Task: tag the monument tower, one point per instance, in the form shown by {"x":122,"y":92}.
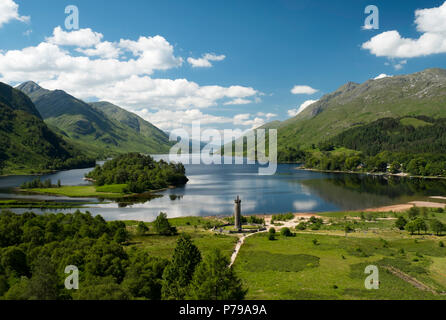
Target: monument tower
{"x":237,"y":214}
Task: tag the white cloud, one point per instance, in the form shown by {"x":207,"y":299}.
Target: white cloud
{"x":303,"y":90}
{"x":381,"y":76}
{"x":238,"y":101}
{"x":303,"y":106}
{"x":245,"y":119}
{"x":107,"y":50}
{"x":431,"y":23}
{"x":169,"y":119}
{"x":268,"y":116}
{"x":112,"y":75}
{"x":79,"y":38}
{"x":205,"y":60}
{"x":9,"y":11}
{"x":400,"y":65}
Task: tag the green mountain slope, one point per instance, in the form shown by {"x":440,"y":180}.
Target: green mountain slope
{"x":27,"y":145}
{"x":422,"y":93}
{"x":101,"y":129}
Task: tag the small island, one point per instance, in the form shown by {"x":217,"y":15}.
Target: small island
{"x":123,"y":176}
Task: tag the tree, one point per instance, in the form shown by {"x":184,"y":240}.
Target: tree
{"x":14,"y":262}
{"x":141,"y":229}
{"x":414,"y":212}
{"x":348,"y":229}
{"x":213,"y":280}
{"x":437,"y":227}
{"x":178,"y":274}
{"x":162,"y":225}
{"x":286,"y":232}
{"x":420,"y":225}
{"x":411,"y":227}
{"x":400,"y":223}
{"x":121,"y":236}
{"x":272,"y":230}
{"x":43,"y":284}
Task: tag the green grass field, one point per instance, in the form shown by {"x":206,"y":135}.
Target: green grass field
{"x":296,"y":268}
{"x":111,"y":191}
{"x":163,"y":246}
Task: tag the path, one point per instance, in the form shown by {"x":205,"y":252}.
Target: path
{"x":409,"y":279}
{"x":239,"y":244}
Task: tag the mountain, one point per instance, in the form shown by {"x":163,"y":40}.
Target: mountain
{"x":101,"y":129}
{"x":27,"y":145}
{"x":353,"y":104}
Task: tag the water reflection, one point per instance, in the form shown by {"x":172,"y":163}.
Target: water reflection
{"x":211,"y":191}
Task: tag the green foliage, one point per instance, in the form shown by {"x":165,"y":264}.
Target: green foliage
{"x":162,"y":226}
{"x":418,"y":224}
{"x":283,"y":217}
{"x":286,"y":232}
{"x":213,"y":280}
{"x":400,"y":223}
{"x":27,"y":145}
{"x":141,"y":229}
{"x":178,"y":274}
{"x":141,"y":173}
{"x":437,"y":227}
{"x":35,"y":249}
{"x":37,"y":183}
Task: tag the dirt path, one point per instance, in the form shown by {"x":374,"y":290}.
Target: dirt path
{"x":239,"y":245}
{"x":417,"y":284}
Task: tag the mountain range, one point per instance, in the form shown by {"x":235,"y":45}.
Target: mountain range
{"x":353,"y":104}
{"x":27,"y":145}
{"x":100,"y":129}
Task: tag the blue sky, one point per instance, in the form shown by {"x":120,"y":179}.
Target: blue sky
{"x":268,"y":47}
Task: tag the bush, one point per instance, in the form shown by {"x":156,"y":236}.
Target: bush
{"x":286,"y":232}
{"x":162,"y":226}
{"x":272,"y":231}
{"x":301,"y":226}
{"x":271,"y":236}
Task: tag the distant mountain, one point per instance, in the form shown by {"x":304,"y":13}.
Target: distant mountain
{"x":101,"y":129}
{"x":422,"y":93}
{"x":27,"y":145}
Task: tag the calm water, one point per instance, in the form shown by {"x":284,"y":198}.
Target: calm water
{"x":212,"y":189}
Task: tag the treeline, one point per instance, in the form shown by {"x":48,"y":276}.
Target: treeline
{"x":418,"y":221}
{"x":414,"y":135}
{"x":140,"y":172}
{"x":36,"y":249}
{"x":415,"y":145}
{"x":37,"y":183}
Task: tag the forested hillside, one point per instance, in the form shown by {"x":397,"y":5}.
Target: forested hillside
{"x":27,"y":145}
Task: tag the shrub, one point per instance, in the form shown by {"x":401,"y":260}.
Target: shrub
{"x":286,"y":232}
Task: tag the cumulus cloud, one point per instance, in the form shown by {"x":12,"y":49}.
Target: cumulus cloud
{"x":170,"y":119}
{"x":431,"y":23}
{"x":205,"y":60}
{"x":303,"y":106}
{"x":78,"y":38}
{"x":245,"y":119}
{"x":84,"y":65}
{"x":107,"y":50}
{"x":268,"y":116}
{"x":9,"y":11}
{"x":381,"y":76}
{"x":303,"y":90}
{"x":237,"y":101}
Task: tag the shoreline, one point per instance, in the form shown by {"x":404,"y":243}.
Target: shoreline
{"x":377,"y":174}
